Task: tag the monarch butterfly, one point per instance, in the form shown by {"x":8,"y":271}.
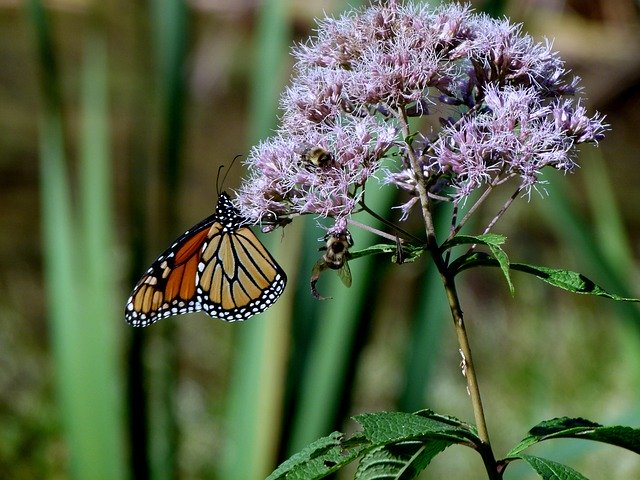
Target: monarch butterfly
{"x":217,"y":266}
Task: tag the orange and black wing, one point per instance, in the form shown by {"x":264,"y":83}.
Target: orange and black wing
{"x":237,"y":277}
{"x":219,"y":266}
{"x":169,"y":286}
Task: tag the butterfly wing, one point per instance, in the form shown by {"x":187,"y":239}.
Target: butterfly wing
{"x":168,"y":287}
{"x":218,"y":266}
{"x":237,"y":277}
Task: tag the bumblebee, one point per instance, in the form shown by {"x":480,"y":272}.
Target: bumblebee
{"x":337,"y":250}
{"x":317,"y":156}
{"x":335,"y":257}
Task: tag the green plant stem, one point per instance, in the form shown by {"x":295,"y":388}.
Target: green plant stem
{"x":469,"y":372}
{"x":454,"y":304}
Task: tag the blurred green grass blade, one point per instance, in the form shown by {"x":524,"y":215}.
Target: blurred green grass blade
{"x":424,"y":343}
{"x":99,"y":279}
{"x":325,"y":349}
{"x":494,"y":8}
{"x":255,"y":399}
{"x":49,"y":78}
{"x":170,"y":31}
{"x":85,"y":387}
{"x":169,"y":40}
{"x":613,"y":240}
{"x":609,"y":269}
{"x":570,"y":225}
{"x":321,"y":387}
{"x":429,"y":322}
{"x":140,"y":163}
{"x":306,"y":306}
{"x":58,"y":236}
{"x":270,"y":71}
{"x":67,"y":326}
{"x":610,"y":232}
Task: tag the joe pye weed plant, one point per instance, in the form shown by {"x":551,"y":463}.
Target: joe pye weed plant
{"x":506,"y":109}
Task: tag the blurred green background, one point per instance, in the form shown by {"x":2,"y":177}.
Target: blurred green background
{"x":115,"y":117}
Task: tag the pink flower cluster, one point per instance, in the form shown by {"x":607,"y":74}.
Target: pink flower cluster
{"x":505,"y":104}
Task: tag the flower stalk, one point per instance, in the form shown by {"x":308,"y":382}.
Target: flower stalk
{"x":467,"y":365}
{"x":469,"y":372}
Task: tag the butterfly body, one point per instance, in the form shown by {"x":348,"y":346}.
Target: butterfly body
{"x":218,"y":266}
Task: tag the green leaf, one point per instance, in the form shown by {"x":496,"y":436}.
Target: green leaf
{"x":410,"y":138}
{"x":565,"y":427}
{"x":322,"y":457}
{"x":503,"y":260}
{"x":447,"y":419}
{"x":484,"y":239}
{"x":406,"y":443}
{"x":550,"y":470}
{"x":410,"y":252}
{"x":399,"y":461}
{"x":565,"y":279}
{"x":392,"y":427}
{"x":394,"y":444}
{"x":491,"y":240}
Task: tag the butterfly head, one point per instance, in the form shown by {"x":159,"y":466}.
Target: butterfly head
{"x":228,"y":215}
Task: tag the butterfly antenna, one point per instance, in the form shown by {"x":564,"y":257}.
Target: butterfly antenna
{"x":220,"y":183}
{"x":218,"y":179}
